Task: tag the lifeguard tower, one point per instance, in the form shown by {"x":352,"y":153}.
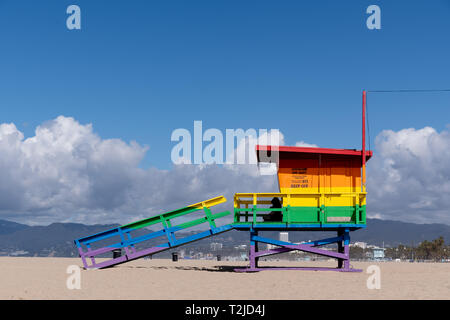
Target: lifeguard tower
{"x":319,"y":190}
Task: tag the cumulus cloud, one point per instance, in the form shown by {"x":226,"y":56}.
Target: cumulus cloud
{"x":305,"y":144}
{"x":64,"y":169}
{"x":409,"y":176}
{"x":66,"y":172}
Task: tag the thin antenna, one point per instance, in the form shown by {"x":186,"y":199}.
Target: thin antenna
{"x":363,"y":182}
{"x":368,"y":121}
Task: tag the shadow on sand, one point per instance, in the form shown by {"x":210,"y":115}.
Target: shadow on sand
{"x":188,"y":268}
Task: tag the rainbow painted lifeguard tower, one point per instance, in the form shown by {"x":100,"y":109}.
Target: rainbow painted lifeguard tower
{"x":320,"y":190}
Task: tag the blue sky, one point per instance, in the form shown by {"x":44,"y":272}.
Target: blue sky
{"x":137,"y":70}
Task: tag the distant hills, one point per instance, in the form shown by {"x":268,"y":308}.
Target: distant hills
{"x":394,"y":233}
{"x":8,"y":227}
{"x":56,"y":239}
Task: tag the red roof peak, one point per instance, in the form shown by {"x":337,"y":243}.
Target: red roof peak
{"x":285,"y":150}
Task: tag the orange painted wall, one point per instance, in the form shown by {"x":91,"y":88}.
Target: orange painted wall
{"x":331,"y":175}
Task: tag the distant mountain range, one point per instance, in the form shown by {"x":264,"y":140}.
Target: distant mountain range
{"x":56,"y":239}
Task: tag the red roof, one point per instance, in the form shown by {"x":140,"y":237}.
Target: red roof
{"x":300,"y":152}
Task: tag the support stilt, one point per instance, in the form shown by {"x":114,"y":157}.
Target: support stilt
{"x":340,"y":233}
{"x":342,"y":254}
{"x":253,"y":258}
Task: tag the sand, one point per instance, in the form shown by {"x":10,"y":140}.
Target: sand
{"x":46,"y":278}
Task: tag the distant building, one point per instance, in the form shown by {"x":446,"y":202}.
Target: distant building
{"x":215,"y":246}
{"x":378,"y":253}
{"x":241,"y":247}
{"x":198,"y":255}
{"x":18,"y":253}
{"x":284,"y":236}
{"x":362,"y":245}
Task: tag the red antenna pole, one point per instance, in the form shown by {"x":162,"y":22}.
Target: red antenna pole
{"x":363,"y":142}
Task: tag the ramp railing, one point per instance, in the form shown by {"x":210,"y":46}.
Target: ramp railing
{"x":144,"y":243}
{"x":301,"y":208}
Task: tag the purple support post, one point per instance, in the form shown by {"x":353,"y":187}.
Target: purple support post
{"x":89,"y":250}
{"x":83,"y":258}
{"x":343,"y":254}
{"x":344,"y":248}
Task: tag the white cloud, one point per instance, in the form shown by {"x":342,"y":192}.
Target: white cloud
{"x":64,"y":169}
{"x":305,"y":144}
{"x":66,"y":172}
{"x":409,"y":176}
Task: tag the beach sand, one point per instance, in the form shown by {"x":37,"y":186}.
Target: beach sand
{"x":46,"y":278}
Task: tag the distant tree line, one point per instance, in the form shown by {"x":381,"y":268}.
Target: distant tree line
{"x":427,"y":250}
{"x":435,"y":250}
